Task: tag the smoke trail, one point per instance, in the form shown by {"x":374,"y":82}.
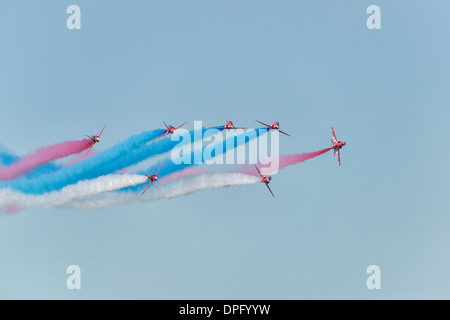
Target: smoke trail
{"x":286,"y":160}
{"x":232,"y":141}
{"x":42,"y":156}
{"x":103,"y":163}
{"x":20,"y":200}
{"x":10,"y":199}
{"x":7,"y":157}
{"x":79,"y":157}
{"x":92,"y":194}
{"x":116,"y":158}
{"x":189,"y":171}
{"x":157,"y":159}
{"x":291,"y":159}
{"x":52,"y":166}
{"x":12,"y":209}
{"x":182,"y":187}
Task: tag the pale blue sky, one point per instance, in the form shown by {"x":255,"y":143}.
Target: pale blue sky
{"x":310,"y":64}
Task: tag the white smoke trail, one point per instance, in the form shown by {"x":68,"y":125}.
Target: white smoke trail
{"x":69,"y":193}
{"x":182,"y":187}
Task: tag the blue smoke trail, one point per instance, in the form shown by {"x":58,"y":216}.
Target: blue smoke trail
{"x":170,"y":167}
{"x":7,"y":157}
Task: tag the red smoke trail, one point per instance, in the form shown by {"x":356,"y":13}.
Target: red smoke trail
{"x":287,"y":160}
{"x":43,"y":156}
{"x":12,"y":209}
{"x":190,"y":171}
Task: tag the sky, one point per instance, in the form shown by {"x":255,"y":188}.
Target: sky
{"x":309,"y":64}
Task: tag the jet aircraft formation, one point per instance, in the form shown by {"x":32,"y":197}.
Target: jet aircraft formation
{"x":336,"y":145}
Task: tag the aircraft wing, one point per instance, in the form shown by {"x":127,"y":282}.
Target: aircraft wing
{"x":258,"y":170}
{"x":264,"y":124}
{"x":220,"y":127}
{"x":159,"y":168}
{"x":147,"y":187}
{"x":339,"y":157}
{"x":101,"y":131}
{"x":284,"y":133}
{"x":92,"y":145}
{"x":181,"y":125}
{"x":334,"y":134}
{"x":269,"y":189}
{"x":165,"y":134}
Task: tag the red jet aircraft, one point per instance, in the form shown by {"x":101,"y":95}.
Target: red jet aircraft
{"x":152,"y":177}
{"x":265,"y":179}
{"x":94,"y":139}
{"x":274,"y":126}
{"x":337,"y":145}
{"x":169,"y":130}
{"x":228,"y":126}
